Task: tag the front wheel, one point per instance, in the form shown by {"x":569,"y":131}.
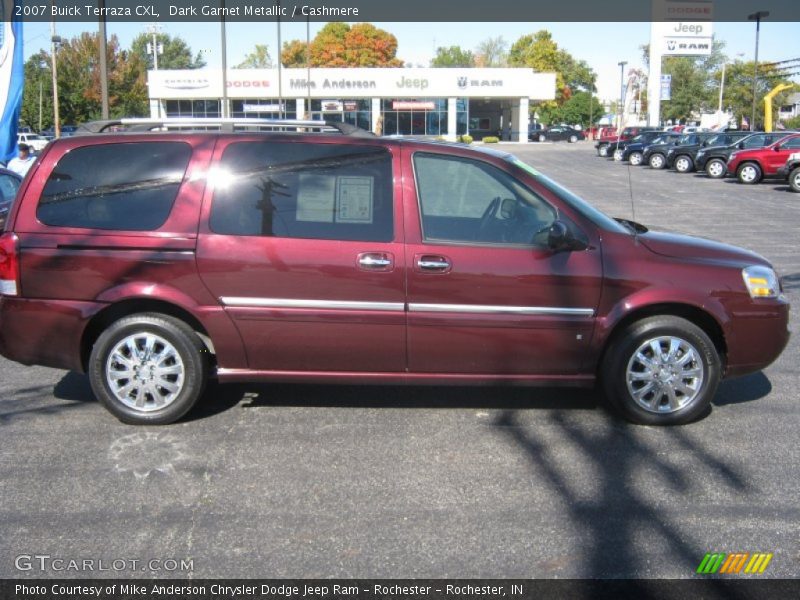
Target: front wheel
{"x":148,"y":369}
{"x":635,"y":158}
{"x":618,"y":154}
{"x":749,"y":173}
{"x":661,"y":371}
{"x":657,"y":161}
{"x":603,"y":151}
{"x":794,"y":179}
{"x":716,"y":168}
{"x":542,"y":137}
{"x":573,"y":139}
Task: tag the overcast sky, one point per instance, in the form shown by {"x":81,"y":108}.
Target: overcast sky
{"x":602,"y":45}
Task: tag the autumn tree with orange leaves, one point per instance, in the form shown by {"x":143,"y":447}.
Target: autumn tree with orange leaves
{"x":340,"y":45}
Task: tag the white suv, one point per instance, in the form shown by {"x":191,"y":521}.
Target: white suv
{"x":34,"y":140}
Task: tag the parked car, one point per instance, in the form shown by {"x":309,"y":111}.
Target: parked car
{"x":682,"y":157}
{"x":34,"y":140}
{"x":791,"y":171}
{"x":9,"y":184}
{"x":714,"y":159}
{"x":633,"y":152}
{"x":751,"y":166}
{"x":603,"y":145}
{"x":66,"y":131}
{"x":645,"y":137}
{"x":155,"y":261}
{"x":655,"y":155}
{"x":559,"y":133}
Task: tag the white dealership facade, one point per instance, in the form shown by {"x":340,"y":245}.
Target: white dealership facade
{"x":398,"y":101}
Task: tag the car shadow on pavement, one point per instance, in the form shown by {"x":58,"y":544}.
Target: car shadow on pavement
{"x":738,"y":390}
{"x":791,"y":282}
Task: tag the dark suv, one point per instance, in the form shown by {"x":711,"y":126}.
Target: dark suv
{"x":714,"y":159}
{"x":155,"y":261}
{"x":655,"y":155}
{"x":682,"y":157}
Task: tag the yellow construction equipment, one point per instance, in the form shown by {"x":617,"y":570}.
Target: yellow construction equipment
{"x":768,"y":103}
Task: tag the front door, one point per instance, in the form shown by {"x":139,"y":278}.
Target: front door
{"x":297,"y":242}
{"x":485,"y":294}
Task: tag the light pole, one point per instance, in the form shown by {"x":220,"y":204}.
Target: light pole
{"x":54,"y":42}
{"x":591,"y":120}
{"x":756,"y":16}
{"x":156,"y":48}
{"x":621,"y":91}
{"x":103,"y":47}
{"x":42,"y":67}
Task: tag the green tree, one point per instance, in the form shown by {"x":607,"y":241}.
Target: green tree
{"x":576,"y":110}
{"x":38,"y":79}
{"x":738,"y":93}
{"x":176,"y":52}
{"x":453,"y":56}
{"x":259,"y":58}
{"x":492,"y":52}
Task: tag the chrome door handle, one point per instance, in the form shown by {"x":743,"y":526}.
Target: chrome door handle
{"x":433,"y":264}
{"x":375,"y":261}
{"x":371,"y":261}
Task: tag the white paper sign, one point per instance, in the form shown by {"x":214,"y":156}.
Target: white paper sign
{"x":354,"y":202}
{"x":316,"y":198}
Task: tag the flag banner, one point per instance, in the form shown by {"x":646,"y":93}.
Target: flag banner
{"x":12,"y":76}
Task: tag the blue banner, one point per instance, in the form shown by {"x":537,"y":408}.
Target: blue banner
{"x":12,"y":77}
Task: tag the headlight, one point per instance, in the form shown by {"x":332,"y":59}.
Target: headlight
{"x":761,"y":282}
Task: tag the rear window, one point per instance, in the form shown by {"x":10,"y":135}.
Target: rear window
{"x":304,"y":190}
{"x":123,"y":187}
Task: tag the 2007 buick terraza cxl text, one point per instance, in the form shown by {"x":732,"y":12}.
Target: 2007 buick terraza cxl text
{"x":154,"y":261}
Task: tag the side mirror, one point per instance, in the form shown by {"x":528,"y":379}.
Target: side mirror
{"x":561,"y":239}
{"x":776,"y":148}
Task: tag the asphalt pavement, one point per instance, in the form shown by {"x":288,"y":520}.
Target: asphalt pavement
{"x":356,"y":482}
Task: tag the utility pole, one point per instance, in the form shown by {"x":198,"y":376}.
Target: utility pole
{"x":54,"y":41}
{"x":621,"y":92}
{"x":756,"y":16}
{"x":224,"y":43}
{"x":103,"y":43}
{"x":156,"y":47}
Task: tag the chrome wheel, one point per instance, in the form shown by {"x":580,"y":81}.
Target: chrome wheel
{"x":683,"y":164}
{"x":573,"y":139}
{"x":603,"y":150}
{"x":715,"y":169}
{"x":636,"y":159}
{"x":618,"y":155}
{"x":542,"y":138}
{"x":145,"y":372}
{"x":794,"y":180}
{"x":665,"y":374}
{"x":657,"y":161}
{"x":748,"y":174}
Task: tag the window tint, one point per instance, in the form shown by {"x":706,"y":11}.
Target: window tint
{"x":304,"y":190}
{"x":8,"y":188}
{"x":463,"y":200}
{"x":123,"y":187}
{"x":791,"y":144}
{"x":756,"y":141}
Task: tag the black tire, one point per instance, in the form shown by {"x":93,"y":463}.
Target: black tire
{"x":189,"y":363}
{"x":618,"y":154}
{"x":683,"y":163}
{"x":635,"y":159}
{"x":603,"y":150}
{"x":794,"y":179}
{"x":621,"y":356}
{"x":572,"y":139}
{"x":716,"y":168}
{"x":657,"y":161}
{"x":749,"y":173}
{"x":542,"y":137}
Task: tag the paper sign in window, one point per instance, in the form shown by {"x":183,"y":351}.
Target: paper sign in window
{"x":316,"y":198}
{"x":354,"y":201}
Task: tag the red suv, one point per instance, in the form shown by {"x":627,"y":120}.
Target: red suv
{"x":751,"y":166}
{"x":155,"y":261}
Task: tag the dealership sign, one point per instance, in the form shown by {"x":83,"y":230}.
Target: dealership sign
{"x":666,"y":87}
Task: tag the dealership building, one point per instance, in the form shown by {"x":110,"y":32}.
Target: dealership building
{"x":431,"y":102}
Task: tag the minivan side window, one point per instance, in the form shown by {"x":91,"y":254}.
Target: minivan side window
{"x":304,"y":190}
{"x":464,"y":200}
{"x":129,"y":186}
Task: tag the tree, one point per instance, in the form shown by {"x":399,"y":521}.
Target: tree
{"x":294,"y":54}
{"x":37,"y":79}
{"x":340,"y":45}
{"x":259,"y":58}
{"x":176,"y":52}
{"x":453,"y":56}
{"x":738,"y":92}
{"x":492,"y":52}
{"x":577,"y":110}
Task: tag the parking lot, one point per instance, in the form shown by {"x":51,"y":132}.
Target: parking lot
{"x":356,"y":482}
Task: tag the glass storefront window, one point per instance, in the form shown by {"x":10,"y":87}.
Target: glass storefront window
{"x":193,"y":108}
{"x":264,"y":108}
{"x":421,"y":116}
{"x":354,"y":111}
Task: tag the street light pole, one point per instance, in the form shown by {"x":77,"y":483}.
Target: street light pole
{"x":54,"y":41}
{"x":621,"y":91}
{"x":103,"y":44}
{"x":756,"y":16}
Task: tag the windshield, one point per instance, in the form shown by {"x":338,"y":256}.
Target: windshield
{"x":596,"y":216}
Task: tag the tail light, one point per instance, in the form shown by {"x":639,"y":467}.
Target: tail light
{"x":9,"y":265}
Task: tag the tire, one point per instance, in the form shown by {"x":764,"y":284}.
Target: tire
{"x":794,"y":179}
{"x":542,"y":137}
{"x":573,"y":139}
{"x":716,"y":168}
{"x":748,"y":173}
{"x":618,"y":154}
{"x":666,"y":400}
{"x":175,"y":349}
{"x":683,"y":164}
{"x":603,"y":150}
{"x":657,"y":161}
{"x":636,"y":158}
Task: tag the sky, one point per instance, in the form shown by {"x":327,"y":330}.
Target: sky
{"x":601,"y":45}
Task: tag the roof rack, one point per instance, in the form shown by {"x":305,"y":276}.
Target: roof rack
{"x":224,"y":125}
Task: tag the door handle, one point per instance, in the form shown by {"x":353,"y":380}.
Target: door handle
{"x":375,"y":261}
{"x":433,"y":264}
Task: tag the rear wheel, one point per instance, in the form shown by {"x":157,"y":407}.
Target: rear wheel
{"x":603,"y":151}
{"x":618,"y":154}
{"x":657,"y":161}
{"x":716,"y":168}
{"x":148,"y":369}
{"x":542,"y":137}
{"x":794,"y":179}
{"x":683,"y":164}
{"x":749,"y":173}
{"x":661,"y":371}
{"x":573,"y":138}
{"x":636,"y":158}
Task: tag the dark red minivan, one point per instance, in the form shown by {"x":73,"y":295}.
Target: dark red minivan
{"x":154,"y":261}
